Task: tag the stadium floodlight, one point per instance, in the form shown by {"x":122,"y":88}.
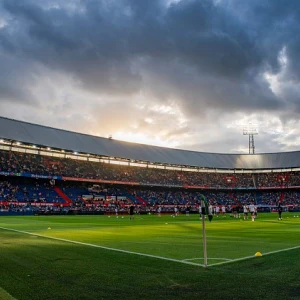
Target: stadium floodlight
{"x":48,"y":148}
{"x":1,"y":141}
{"x":250,"y":130}
{"x":75,"y":152}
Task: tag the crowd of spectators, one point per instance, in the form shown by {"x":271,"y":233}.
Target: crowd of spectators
{"x":271,"y":179}
{"x":33,"y":193}
{"x":17,"y":162}
{"x":39,"y":196}
{"x":293,"y":179}
{"x":269,"y":198}
{"x":289,"y":198}
{"x":107,"y":199}
{"x":165,"y":197}
{"x":292,"y":198}
{"x":7,"y":191}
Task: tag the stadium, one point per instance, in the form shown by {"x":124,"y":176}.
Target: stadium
{"x":67,"y":233}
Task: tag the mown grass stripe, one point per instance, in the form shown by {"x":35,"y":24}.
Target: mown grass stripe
{"x":211,"y":258}
{"x":253,"y":256}
{"x":103,"y":247}
{"x":5,"y":295}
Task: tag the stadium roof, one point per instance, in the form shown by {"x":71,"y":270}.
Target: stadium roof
{"x":34,"y":134}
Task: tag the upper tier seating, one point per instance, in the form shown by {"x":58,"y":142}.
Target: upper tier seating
{"x":16,"y":162}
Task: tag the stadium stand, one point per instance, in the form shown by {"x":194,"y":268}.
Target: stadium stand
{"x":117,"y":174}
{"x":14,"y":162}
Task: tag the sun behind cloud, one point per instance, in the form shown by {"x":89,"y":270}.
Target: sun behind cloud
{"x":142,"y":138}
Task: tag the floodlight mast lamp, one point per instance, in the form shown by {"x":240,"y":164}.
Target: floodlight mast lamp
{"x":250,"y":132}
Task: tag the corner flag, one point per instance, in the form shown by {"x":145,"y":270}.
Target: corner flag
{"x":205,"y":209}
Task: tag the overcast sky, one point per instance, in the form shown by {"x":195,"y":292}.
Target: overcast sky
{"x":188,"y":74}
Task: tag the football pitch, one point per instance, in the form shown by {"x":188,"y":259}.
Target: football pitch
{"x":150,"y":257}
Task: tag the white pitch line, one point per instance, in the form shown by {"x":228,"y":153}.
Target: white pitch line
{"x":216,"y":258}
{"x":103,"y":247}
{"x":253,"y":256}
{"x":148,"y":255}
{"x":8,"y":296}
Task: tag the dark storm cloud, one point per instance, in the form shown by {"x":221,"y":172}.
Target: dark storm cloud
{"x":276,"y":25}
{"x":199,"y":55}
{"x":16,"y":77}
{"x":88,"y":45}
{"x":198,"y":92}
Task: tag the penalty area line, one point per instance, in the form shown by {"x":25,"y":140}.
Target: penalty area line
{"x":103,"y":247}
{"x":253,"y":256}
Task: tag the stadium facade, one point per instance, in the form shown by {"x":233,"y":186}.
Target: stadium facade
{"x":44,"y":169}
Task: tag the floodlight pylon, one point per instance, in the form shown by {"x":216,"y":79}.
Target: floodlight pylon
{"x":250,"y":131}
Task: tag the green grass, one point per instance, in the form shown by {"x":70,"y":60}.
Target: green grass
{"x":34,"y":267}
{"x":4,"y":295}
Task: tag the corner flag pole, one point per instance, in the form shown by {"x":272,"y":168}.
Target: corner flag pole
{"x":204,"y":233}
{"x":204,"y":211}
